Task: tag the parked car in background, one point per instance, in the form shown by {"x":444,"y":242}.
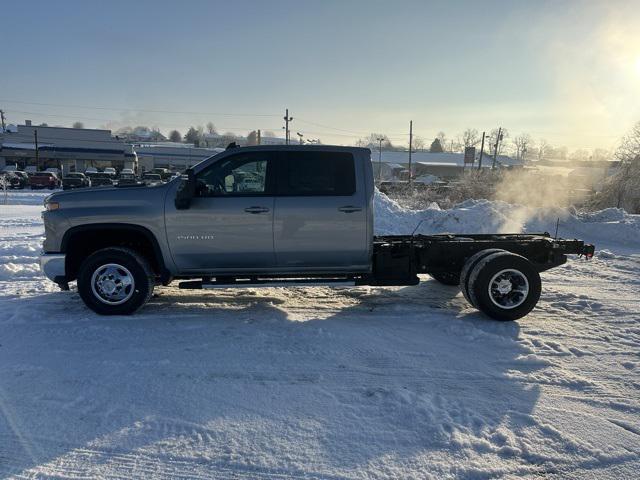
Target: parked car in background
{"x":5,"y":180}
{"x":20,"y":179}
{"x":126,"y":171}
{"x":99,"y":179}
{"x":90,"y":170}
{"x":31,"y":169}
{"x":44,"y":180}
{"x":165,"y":173}
{"x":75,"y":180}
{"x":111,"y":171}
{"x":128,"y":179}
{"x":15,"y":179}
{"x":152,"y":179}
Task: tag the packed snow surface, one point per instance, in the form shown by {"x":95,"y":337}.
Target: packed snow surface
{"x":272,"y":383}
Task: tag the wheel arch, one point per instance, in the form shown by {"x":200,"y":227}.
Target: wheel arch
{"x":81,"y":241}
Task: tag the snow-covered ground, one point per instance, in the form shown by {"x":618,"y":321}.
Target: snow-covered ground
{"x":327,"y":383}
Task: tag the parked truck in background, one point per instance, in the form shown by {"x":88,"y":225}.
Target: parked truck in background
{"x":275,"y":215}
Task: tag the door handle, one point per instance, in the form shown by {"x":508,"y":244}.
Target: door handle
{"x":349,"y":209}
{"x":256,"y":209}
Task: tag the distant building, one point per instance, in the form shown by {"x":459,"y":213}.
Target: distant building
{"x":445,"y":165}
{"x":68,"y":149}
{"x":176,"y":156}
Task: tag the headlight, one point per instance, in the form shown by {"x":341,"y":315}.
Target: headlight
{"x":51,"y":206}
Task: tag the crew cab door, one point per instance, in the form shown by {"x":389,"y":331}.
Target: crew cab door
{"x":229,"y":225}
{"x":320,"y":222}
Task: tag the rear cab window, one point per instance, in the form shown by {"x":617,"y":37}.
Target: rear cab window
{"x":309,"y":173}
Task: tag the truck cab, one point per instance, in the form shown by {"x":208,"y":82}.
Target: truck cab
{"x":259,"y":210}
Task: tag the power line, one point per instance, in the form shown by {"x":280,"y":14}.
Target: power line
{"x":92,"y":107}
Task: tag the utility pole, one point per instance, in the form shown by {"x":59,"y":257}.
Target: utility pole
{"x":410,"y":148}
{"x":481,"y":152}
{"x":287,"y":119}
{"x":259,"y":139}
{"x":35,"y":138}
{"x":495,"y":147}
{"x":380,"y":139}
{"x":4,"y":128}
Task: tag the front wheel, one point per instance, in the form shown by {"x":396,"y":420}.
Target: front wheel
{"x":504,"y":286}
{"x":115,"y":281}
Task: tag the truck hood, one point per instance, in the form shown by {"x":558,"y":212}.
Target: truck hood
{"x":119,"y":197}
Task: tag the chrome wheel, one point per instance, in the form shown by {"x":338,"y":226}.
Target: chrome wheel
{"x":508,"y":289}
{"x":112,"y":284}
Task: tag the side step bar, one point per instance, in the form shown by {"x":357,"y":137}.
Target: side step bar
{"x":268,"y":282}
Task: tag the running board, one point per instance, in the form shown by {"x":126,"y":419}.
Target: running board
{"x":265,"y":282}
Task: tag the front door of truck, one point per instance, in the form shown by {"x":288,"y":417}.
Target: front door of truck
{"x":229,"y":225}
{"x":320,"y":222}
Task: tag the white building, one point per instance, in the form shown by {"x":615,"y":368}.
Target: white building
{"x":175,"y":156}
{"x":445,"y":165}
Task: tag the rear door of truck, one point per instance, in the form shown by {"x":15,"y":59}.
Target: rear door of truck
{"x":320,"y":222}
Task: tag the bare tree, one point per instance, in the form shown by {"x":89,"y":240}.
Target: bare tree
{"x":417,"y":144}
{"x":470,"y":137}
{"x":174,"y":136}
{"x":522,"y":143}
{"x":543,"y":149}
{"x":211,"y":128}
{"x":371,"y":141}
{"x":622,"y":189}
{"x":504,"y":134}
{"x":78,"y":125}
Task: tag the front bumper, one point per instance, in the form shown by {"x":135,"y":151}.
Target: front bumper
{"x":52,"y":265}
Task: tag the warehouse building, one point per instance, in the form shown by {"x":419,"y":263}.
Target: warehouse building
{"x":175,"y":156}
{"x":67,"y":149}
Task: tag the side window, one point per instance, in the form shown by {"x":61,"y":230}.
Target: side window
{"x":242,"y":174}
{"x":318,"y":173}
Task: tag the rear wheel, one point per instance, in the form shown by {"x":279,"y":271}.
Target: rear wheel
{"x":447,"y":278}
{"x":469,"y":266}
{"x":504,"y":286}
{"x":115,"y":281}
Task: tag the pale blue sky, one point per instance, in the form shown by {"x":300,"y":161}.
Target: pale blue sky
{"x":568,"y":72}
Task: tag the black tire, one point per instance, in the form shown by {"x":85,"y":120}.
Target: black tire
{"x":135,"y":266}
{"x":521,"y":278}
{"x":447,"y":278}
{"x":468,"y":267}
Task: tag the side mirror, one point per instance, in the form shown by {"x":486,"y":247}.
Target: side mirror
{"x":186,"y":190}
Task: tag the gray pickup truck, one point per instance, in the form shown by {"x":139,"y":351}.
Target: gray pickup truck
{"x":274,"y":215}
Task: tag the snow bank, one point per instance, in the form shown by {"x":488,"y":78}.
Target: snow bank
{"x":610,"y":226}
{"x":24,"y":197}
